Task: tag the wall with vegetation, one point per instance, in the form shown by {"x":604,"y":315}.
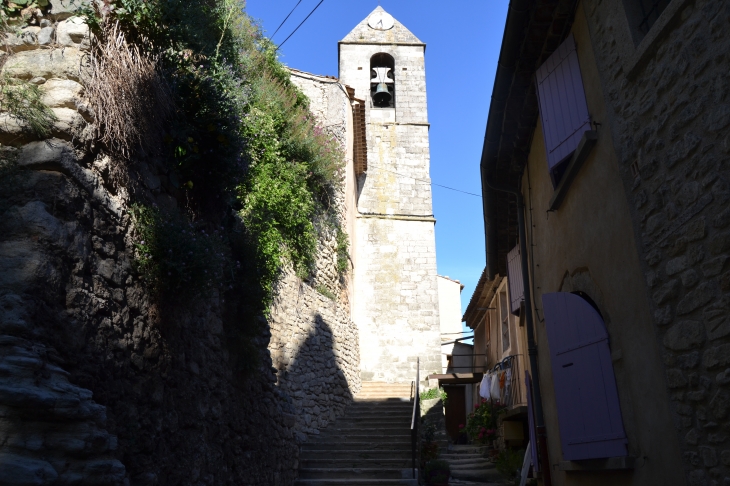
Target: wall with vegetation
{"x":156,"y":178}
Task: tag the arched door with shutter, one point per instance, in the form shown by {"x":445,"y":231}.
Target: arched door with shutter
{"x":586,"y":396}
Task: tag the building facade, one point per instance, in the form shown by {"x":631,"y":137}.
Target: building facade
{"x":605,"y":152}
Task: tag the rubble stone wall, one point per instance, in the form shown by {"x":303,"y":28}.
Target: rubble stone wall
{"x":315,"y":344}
{"x":669,"y":114}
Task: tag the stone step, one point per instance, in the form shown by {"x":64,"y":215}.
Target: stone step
{"x":485,"y":475}
{"x":362,"y":454}
{"x":471,"y":465}
{"x":344,"y":439}
{"x":379,"y":419}
{"x":467,"y":449}
{"x":370,"y":401}
{"x":356,"y":462}
{"x":354,"y":446}
{"x":352,"y":473}
{"x":356,"y":482}
{"x":465,"y":457}
{"x":368,"y":384}
{"x":385,"y":429}
{"x":481,"y":462}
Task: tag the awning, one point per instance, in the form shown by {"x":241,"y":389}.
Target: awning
{"x":457,"y":378}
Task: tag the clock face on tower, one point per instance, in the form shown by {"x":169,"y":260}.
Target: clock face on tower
{"x":381,"y":21}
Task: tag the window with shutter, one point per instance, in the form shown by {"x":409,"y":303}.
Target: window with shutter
{"x":586,"y":397}
{"x":514,"y":280}
{"x":563,"y":107}
{"x":504,"y":314}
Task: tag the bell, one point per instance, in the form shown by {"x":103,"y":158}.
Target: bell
{"x":382,"y":96}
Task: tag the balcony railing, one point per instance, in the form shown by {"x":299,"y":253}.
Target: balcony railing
{"x":513,"y":393}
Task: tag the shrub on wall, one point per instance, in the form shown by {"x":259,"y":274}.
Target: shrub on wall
{"x":240,"y":136}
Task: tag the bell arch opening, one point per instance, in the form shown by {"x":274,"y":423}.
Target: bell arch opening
{"x":382,"y":80}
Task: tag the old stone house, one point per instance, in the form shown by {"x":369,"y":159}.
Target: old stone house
{"x":497,"y":318}
{"x":604,"y":166}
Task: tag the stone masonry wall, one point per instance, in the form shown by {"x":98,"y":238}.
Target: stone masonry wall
{"x":315,"y":344}
{"x":670,"y":117}
{"x":99,"y":383}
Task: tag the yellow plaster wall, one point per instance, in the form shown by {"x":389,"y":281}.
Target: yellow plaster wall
{"x":588,"y":244}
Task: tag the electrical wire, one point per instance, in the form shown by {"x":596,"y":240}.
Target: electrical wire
{"x":287,"y":18}
{"x":300,"y":24}
{"x":425,"y":181}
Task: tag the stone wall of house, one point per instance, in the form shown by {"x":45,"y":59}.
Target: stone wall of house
{"x":396,"y":305}
{"x":99,"y":383}
{"x":669,"y":116}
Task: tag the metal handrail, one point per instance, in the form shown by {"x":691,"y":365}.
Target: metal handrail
{"x":416,"y":417}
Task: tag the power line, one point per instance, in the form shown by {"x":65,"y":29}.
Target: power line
{"x":305,"y":19}
{"x":426,"y":182}
{"x":287,"y":17}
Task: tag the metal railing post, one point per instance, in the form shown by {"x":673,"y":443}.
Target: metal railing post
{"x":416,"y":417}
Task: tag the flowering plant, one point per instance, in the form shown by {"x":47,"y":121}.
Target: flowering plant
{"x":481,"y":424}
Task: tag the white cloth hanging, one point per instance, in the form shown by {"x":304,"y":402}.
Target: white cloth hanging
{"x":494,"y":388}
{"x":484,"y":386}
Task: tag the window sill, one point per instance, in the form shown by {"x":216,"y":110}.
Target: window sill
{"x":581,"y":153}
{"x":625,"y":463}
{"x":648,"y":44}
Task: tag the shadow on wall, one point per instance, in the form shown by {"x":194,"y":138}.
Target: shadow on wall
{"x":312,"y":380}
{"x":168,"y":404}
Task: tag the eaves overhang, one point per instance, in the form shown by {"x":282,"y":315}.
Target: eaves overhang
{"x":533,"y":30}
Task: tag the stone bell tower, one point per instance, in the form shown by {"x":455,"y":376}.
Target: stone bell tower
{"x":396,"y":290}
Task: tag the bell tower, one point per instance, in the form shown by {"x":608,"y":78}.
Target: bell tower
{"x":396,"y":290}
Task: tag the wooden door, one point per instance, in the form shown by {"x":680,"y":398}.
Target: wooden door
{"x":455,"y":409}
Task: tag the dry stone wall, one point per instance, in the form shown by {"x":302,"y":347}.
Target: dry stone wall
{"x":99,"y":382}
{"x":315,"y":344}
{"x":670,"y":118}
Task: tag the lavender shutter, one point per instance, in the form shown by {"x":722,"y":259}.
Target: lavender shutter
{"x":531,"y":423}
{"x":585,"y":387}
{"x":563,"y":108}
{"x":514,"y":279}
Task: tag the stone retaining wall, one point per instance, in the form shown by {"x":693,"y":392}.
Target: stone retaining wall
{"x":101,"y":385}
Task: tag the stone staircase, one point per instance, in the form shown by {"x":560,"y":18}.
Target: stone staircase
{"x":468,"y":463}
{"x":369,"y":445}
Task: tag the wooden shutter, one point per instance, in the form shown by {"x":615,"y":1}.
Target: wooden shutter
{"x":563,"y":108}
{"x":585,"y":387}
{"x":514,"y":280}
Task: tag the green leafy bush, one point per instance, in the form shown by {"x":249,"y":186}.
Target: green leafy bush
{"x":241,"y":136}
{"x":509,"y":462}
{"x":432,"y":393}
{"x":437,"y":472}
{"x":481,"y":424}
{"x":176,"y":257}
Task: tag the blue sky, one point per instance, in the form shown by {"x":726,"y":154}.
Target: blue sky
{"x":463,"y":39}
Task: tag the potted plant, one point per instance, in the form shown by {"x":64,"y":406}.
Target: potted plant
{"x":481,"y":424}
{"x":437,"y":473}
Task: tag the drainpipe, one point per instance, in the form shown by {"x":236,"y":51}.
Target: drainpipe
{"x":529,"y":325}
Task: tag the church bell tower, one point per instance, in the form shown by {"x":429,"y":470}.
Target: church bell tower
{"x":396,"y":289}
